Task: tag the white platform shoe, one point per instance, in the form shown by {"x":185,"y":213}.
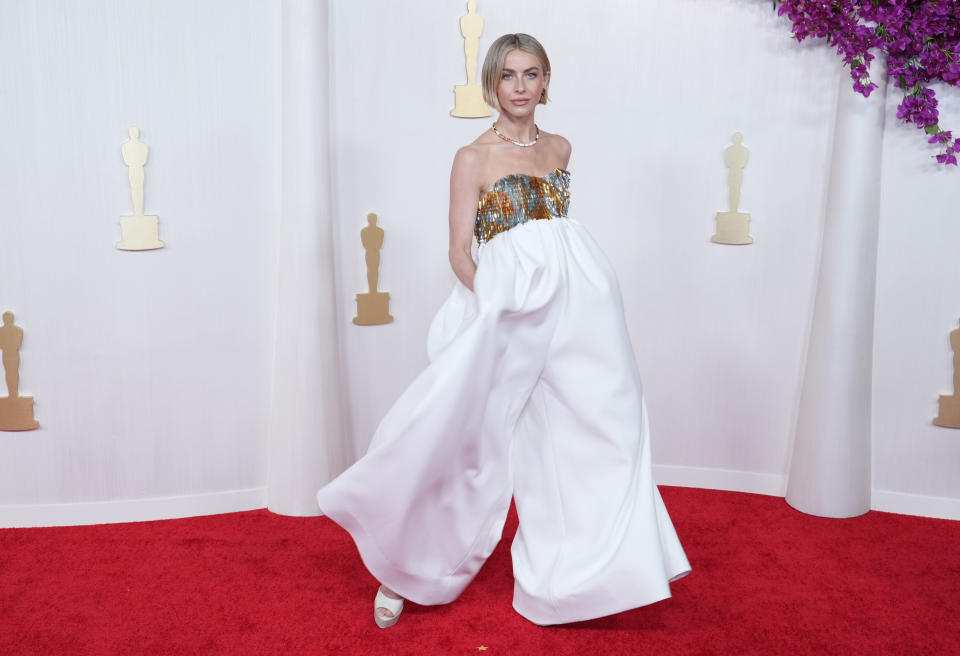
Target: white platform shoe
{"x":383,"y":602}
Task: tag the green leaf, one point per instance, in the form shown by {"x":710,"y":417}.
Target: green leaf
{"x":932,"y":129}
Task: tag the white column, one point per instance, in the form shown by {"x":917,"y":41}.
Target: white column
{"x":306,"y":442}
{"x":830,"y":468}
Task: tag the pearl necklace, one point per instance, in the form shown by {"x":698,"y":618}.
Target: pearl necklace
{"x":536,"y":137}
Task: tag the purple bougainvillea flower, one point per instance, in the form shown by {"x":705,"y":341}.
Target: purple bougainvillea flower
{"x":919,"y":38}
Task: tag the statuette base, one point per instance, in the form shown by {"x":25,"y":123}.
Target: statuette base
{"x":373,"y":309}
{"x":469,"y":102}
{"x":949,"y":415}
{"x":139,"y":233}
{"x":732,"y":228}
{"x":16,"y":414}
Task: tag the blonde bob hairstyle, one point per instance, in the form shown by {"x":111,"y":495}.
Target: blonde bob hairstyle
{"x":497,"y":54}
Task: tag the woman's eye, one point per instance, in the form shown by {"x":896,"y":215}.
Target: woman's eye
{"x":531,"y":75}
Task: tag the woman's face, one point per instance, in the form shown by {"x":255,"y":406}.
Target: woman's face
{"x":521,"y":82}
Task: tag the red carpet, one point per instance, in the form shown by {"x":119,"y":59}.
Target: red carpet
{"x":766,"y":580}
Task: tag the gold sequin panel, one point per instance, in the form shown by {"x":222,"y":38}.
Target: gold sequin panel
{"x":518,"y":198}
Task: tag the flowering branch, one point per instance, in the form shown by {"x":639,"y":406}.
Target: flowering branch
{"x":921,"y":41}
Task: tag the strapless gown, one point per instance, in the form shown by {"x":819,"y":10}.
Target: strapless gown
{"x":532,"y":392}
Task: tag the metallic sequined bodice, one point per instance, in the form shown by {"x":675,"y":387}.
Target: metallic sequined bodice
{"x":518,"y":198}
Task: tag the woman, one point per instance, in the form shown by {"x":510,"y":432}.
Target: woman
{"x":532,"y":393}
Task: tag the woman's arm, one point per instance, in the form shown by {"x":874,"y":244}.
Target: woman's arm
{"x":564,"y":148}
{"x":464,"y":194}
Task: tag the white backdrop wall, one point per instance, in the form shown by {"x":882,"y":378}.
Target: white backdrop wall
{"x":916,"y":464}
{"x":152,"y":370}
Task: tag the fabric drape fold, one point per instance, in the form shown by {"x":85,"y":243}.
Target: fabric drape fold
{"x":306,"y":442}
{"x":830,"y":469}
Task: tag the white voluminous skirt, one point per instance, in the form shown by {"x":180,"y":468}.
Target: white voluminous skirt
{"x":532,"y":392}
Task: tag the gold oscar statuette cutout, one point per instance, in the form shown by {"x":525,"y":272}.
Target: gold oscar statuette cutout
{"x":16,"y":412}
{"x":137,"y":232}
{"x":468,"y":98}
{"x":949,"y":415}
{"x":733,"y":227}
{"x":373,"y":307}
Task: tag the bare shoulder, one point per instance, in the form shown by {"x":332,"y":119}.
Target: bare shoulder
{"x":468,"y":160}
{"x":469,"y":164}
{"x":559,"y":146}
{"x":476,"y":152}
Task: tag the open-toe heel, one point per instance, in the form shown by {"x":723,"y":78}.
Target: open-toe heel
{"x":383,"y":602}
